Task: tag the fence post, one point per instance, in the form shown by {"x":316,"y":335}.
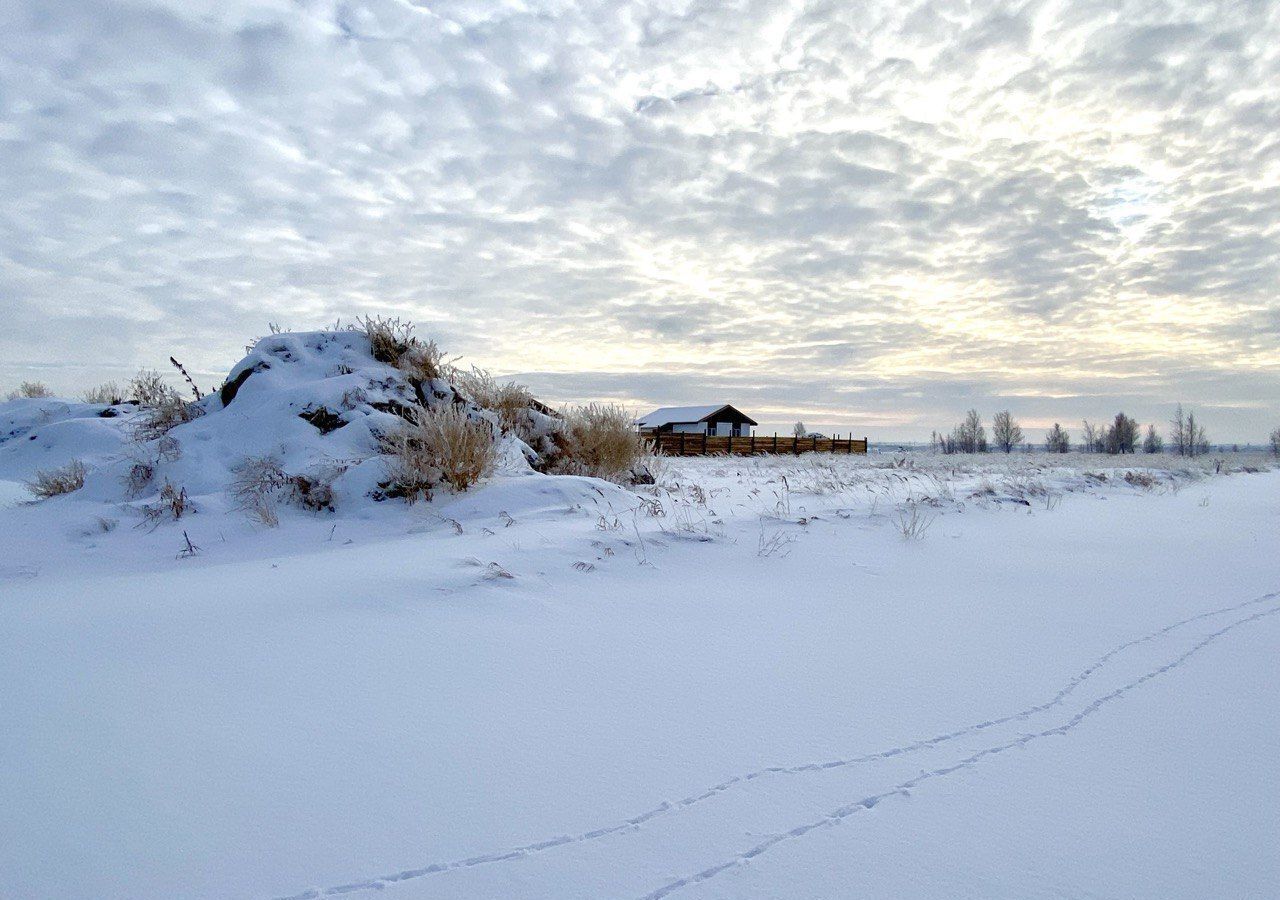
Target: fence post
{"x":704,"y":443}
{"x":775,"y":443}
{"x":729,"y":452}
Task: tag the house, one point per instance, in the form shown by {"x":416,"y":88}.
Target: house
{"x":715,"y":419}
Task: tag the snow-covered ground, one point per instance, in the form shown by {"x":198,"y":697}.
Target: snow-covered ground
{"x":744,"y":682}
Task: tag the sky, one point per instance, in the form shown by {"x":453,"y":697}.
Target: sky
{"x":871,"y":216}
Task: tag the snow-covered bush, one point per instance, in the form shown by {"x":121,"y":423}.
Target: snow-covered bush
{"x":439,"y":445}
{"x":1144,"y":480}
{"x":30,"y":390}
{"x":53,"y":482}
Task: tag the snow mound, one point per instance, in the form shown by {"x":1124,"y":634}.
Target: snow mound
{"x":310,"y":410}
{"x":47,"y":433}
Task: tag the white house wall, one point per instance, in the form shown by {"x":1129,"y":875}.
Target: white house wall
{"x":722,"y":429}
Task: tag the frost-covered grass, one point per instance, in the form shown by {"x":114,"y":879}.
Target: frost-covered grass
{"x":791,"y":486}
{"x":109,"y":393}
{"x":29,"y":390}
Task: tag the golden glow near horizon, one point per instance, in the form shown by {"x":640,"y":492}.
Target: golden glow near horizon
{"x":883,"y":214}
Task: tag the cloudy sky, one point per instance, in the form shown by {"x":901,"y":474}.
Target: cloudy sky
{"x":870,"y":215}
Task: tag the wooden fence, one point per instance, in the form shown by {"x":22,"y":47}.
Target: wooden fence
{"x":685,"y":444}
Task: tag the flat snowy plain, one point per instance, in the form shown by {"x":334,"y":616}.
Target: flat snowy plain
{"x":1064,"y":688}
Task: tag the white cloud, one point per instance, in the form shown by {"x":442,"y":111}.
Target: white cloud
{"x":873,"y":213}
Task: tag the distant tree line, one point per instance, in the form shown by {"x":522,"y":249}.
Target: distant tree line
{"x":1122,"y":434}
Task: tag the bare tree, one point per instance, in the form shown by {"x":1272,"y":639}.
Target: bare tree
{"x":799,"y":430}
{"x":1005,"y":431}
{"x":1196,"y":436}
{"x":1089,"y":443}
{"x":1178,"y":432}
{"x":1188,"y":437}
{"x":1152,"y":442}
{"x":969,"y":435}
{"x":946,"y":442}
{"x":1057,"y":440}
{"x":1275,"y":442}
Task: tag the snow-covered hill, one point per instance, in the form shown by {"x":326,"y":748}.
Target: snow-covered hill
{"x":298,"y":432}
{"x":317,"y":403}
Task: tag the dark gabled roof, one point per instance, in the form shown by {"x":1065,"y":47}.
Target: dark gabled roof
{"x":685,"y":415}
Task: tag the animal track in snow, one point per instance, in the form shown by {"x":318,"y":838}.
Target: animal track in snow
{"x":666,"y":807}
{"x":836,"y":816}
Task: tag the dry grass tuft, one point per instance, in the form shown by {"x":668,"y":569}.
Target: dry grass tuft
{"x":911,"y":522}
{"x":138,"y":477}
{"x":173,"y":503}
{"x":392,"y":341}
{"x":261,"y":483}
{"x":599,"y":440}
{"x":438,"y":446}
{"x":147,"y":388}
{"x":108,"y":393}
{"x":314,"y":492}
{"x":424,"y":361}
{"x":163,"y":408}
{"x":388,"y":338}
{"x":1143,"y":480}
{"x":170,"y":412}
{"x":508,"y":399}
{"x":55,"y":482}
{"x":30,"y":390}
{"x":258,"y":480}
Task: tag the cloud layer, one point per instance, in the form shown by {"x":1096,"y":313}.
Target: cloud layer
{"x":870,"y":215}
